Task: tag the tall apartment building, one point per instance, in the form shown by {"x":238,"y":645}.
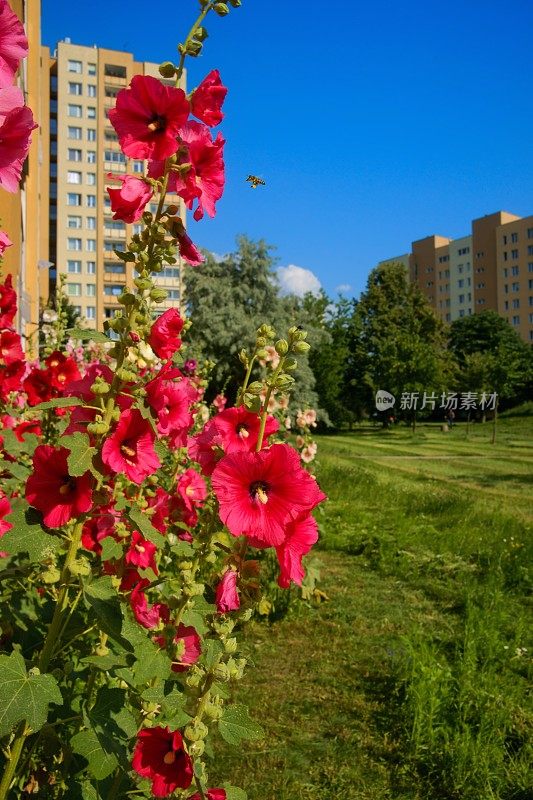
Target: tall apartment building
{"x":491,"y":268}
{"x":24,"y":215}
{"x":84,"y":150}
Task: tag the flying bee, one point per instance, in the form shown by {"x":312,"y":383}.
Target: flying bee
{"x":255,"y":181}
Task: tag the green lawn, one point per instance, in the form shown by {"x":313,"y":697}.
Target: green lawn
{"x":410,"y":681}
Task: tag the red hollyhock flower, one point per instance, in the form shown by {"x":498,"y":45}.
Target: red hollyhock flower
{"x":190,"y":646}
{"x":5,"y":242}
{"x":130,"y":448}
{"x":54,"y":492}
{"x":27,"y":426}
{"x":192,"y":489}
{"x":159,"y":755}
{"x":206,"y":448}
{"x":148,"y":617}
{"x":259,"y":493}
{"x":179,"y":512}
{"x":16,"y":125}
{"x":161,"y":505}
{"x":141,"y":552}
{"x":38,"y":386}
{"x":10,"y":348}
{"x":164,"y":335}
{"x":11,"y":378}
{"x":206,"y":157}
{"x":227,"y":597}
{"x":62,"y":370}
{"x":302,"y":534}
{"x":238,"y":429}
{"x":8,"y":302}
{"x":171,"y":400}
{"x":148,"y":116}
{"x":5,"y":509}
{"x":13,"y":44}
{"x":207,"y":99}
{"x":97,"y":528}
{"x":188,"y":250}
{"x":82,"y":388}
{"x":212,"y":794}
{"x":129,"y":202}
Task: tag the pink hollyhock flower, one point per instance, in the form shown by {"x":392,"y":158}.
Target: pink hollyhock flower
{"x":141,"y":553}
{"x":302,"y":534}
{"x":159,"y":755}
{"x":51,"y":490}
{"x":190,"y":646}
{"x":5,"y":242}
{"x":129,"y":202}
{"x":13,"y":44}
{"x":130,"y":448}
{"x":10,"y":348}
{"x":260,"y":493}
{"x":238,"y":429}
{"x":179,"y":512}
{"x":190,"y":366}
{"x":164,"y":335}
{"x":206,"y":448}
{"x":309,"y":452}
{"x":5,"y":509}
{"x":220,"y":402}
{"x":82,"y":388}
{"x":227,"y":597}
{"x":188,"y":250}
{"x":207,"y":99}
{"x":212,"y":794}
{"x":192,"y":489}
{"x":171,"y":400}
{"x":148,"y":116}
{"x":98,"y":528}
{"x":16,"y":125}
{"x":146,"y":616}
{"x":160,"y":504}
{"x":8,"y":302}
{"x":206,"y":157}
{"x":62,"y":370}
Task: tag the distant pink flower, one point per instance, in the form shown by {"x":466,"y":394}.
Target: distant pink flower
{"x":206,"y":157}
{"x":192,"y":489}
{"x":13,"y":44}
{"x":148,"y":116}
{"x":207,"y":99}
{"x":301,"y":535}
{"x":220,"y":402}
{"x":130,"y":448}
{"x":227,"y":597}
{"x":16,"y":125}
{"x":309,"y":452}
{"x":191,"y":647}
{"x":164,"y":336}
{"x":5,"y":242}
{"x":129,"y":202}
{"x":141,"y":552}
{"x":260,"y":493}
{"x":238,"y":429}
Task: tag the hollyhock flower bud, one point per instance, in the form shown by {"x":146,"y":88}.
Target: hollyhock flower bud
{"x":129,"y":202}
{"x":16,"y":125}
{"x":227,"y":597}
{"x":148,"y":117}
{"x":207,"y":99}
{"x":5,"y":242}
{"x":13,"y":44}
{"x":164,"y":336}
{"x":50,"y":489}
{"x":159,"y":755}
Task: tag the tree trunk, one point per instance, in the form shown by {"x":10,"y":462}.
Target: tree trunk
{"x":494,"y":422}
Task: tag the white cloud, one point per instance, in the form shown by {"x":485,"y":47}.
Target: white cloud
{"x":343,"y":288}
{"x":297,"y":280}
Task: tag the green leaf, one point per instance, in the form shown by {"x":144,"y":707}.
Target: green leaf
{"x":236,"y":725}
{"x":183,"y":549}
{"x":151,"y":663}
{"x":173,"y":709}
{"x":12,"y":445}
{"x":59,"y":402}
{"x":19,"y":471}
{"x":81,"y":454}
{"x":145,"y":527}
{"x":23,"y":695}
{"x":233,"y":793}
{"x":27,"y":534}
{"x":105,"y":603}
{"x":110,"y":548}
{"x":85,"y":335}
{"x":109,"y":714}
{"x":107,"y":662}
{"x":212,"y":650}
{"x":101,"y":762}
{"x":190,"y":617}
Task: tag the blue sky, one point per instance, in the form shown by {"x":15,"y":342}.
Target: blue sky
{"x":373,"y":124}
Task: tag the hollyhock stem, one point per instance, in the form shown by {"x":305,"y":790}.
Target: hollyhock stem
{"x":200,"y":788}
{"x":203,"y":15}
{"x":14,"y":756}
{"x":264,"y":411}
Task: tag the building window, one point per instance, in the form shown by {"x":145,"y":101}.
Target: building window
{"x":461,"y":298}
{"x":110,"y":136}
{"x":515,"y":287}
{"x":115,"y":71}
{"x":480,"y":285}
{"x":73,"y":199}
{"x":91,"y":267}
{"x":91,"y":223}
{"x":74,"y":267}
{"x":91,"y":178}
{"x":505,"y":254}
{"x":115,"y":268}
{"x":91,"y":112}
{"x":170,"y":272}
{"x":530,"y":249}
{"x":530,"y":319}
{"x":91,"y":312}
{"x":530,"y":233}
{"x":91,"y":245}
{"x":73,"y":177}
{"x":505,"y":272}
{"x":138,"y":166}
{"x":514,"y":270}
{"x":463,"y":251}
{"x":505,"y":239}
{"x":173,"y":294}
{"x":91,"y":69}
{"x":516,"y":303}
{"x":75,"y":88}
{"x":506,"y":288}
{"x":73,"y":221}
{"x":460,"y":283}
{"x":73,"y":110}
{"x":73,"y":132}
{"x":514,"y":254}
{"x":506,"y":305}
{"x":514,"y":238}
{"x":75,"y":66}
{"x":74,"y":289}
{"x":530,"y":284}
{"x":110,"y":246}
{"x":73,"y":154}
{"x":481,"y":301}
{"x":91,"y":134}
{"x":73,"y":244}
{"x":137,"y":228}
{"x":530,"y":266}
{"x":91,"y":201}
{"x":91,"y":156}
{"x":516,"y":320}
{"x":113,"y":289}
{"x":91,"y":289}
{"x":91,"y":90}
{"x":114,"y":157}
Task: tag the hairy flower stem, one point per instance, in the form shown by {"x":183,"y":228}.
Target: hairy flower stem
{"x":190,"y":35}
{"x":50,"y":642}
{"x":264,"y":410}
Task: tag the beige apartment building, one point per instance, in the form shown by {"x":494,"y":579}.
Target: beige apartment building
{"x":24,"y":215}
{"x":491,"y":268}
{"x":84,"y":150}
